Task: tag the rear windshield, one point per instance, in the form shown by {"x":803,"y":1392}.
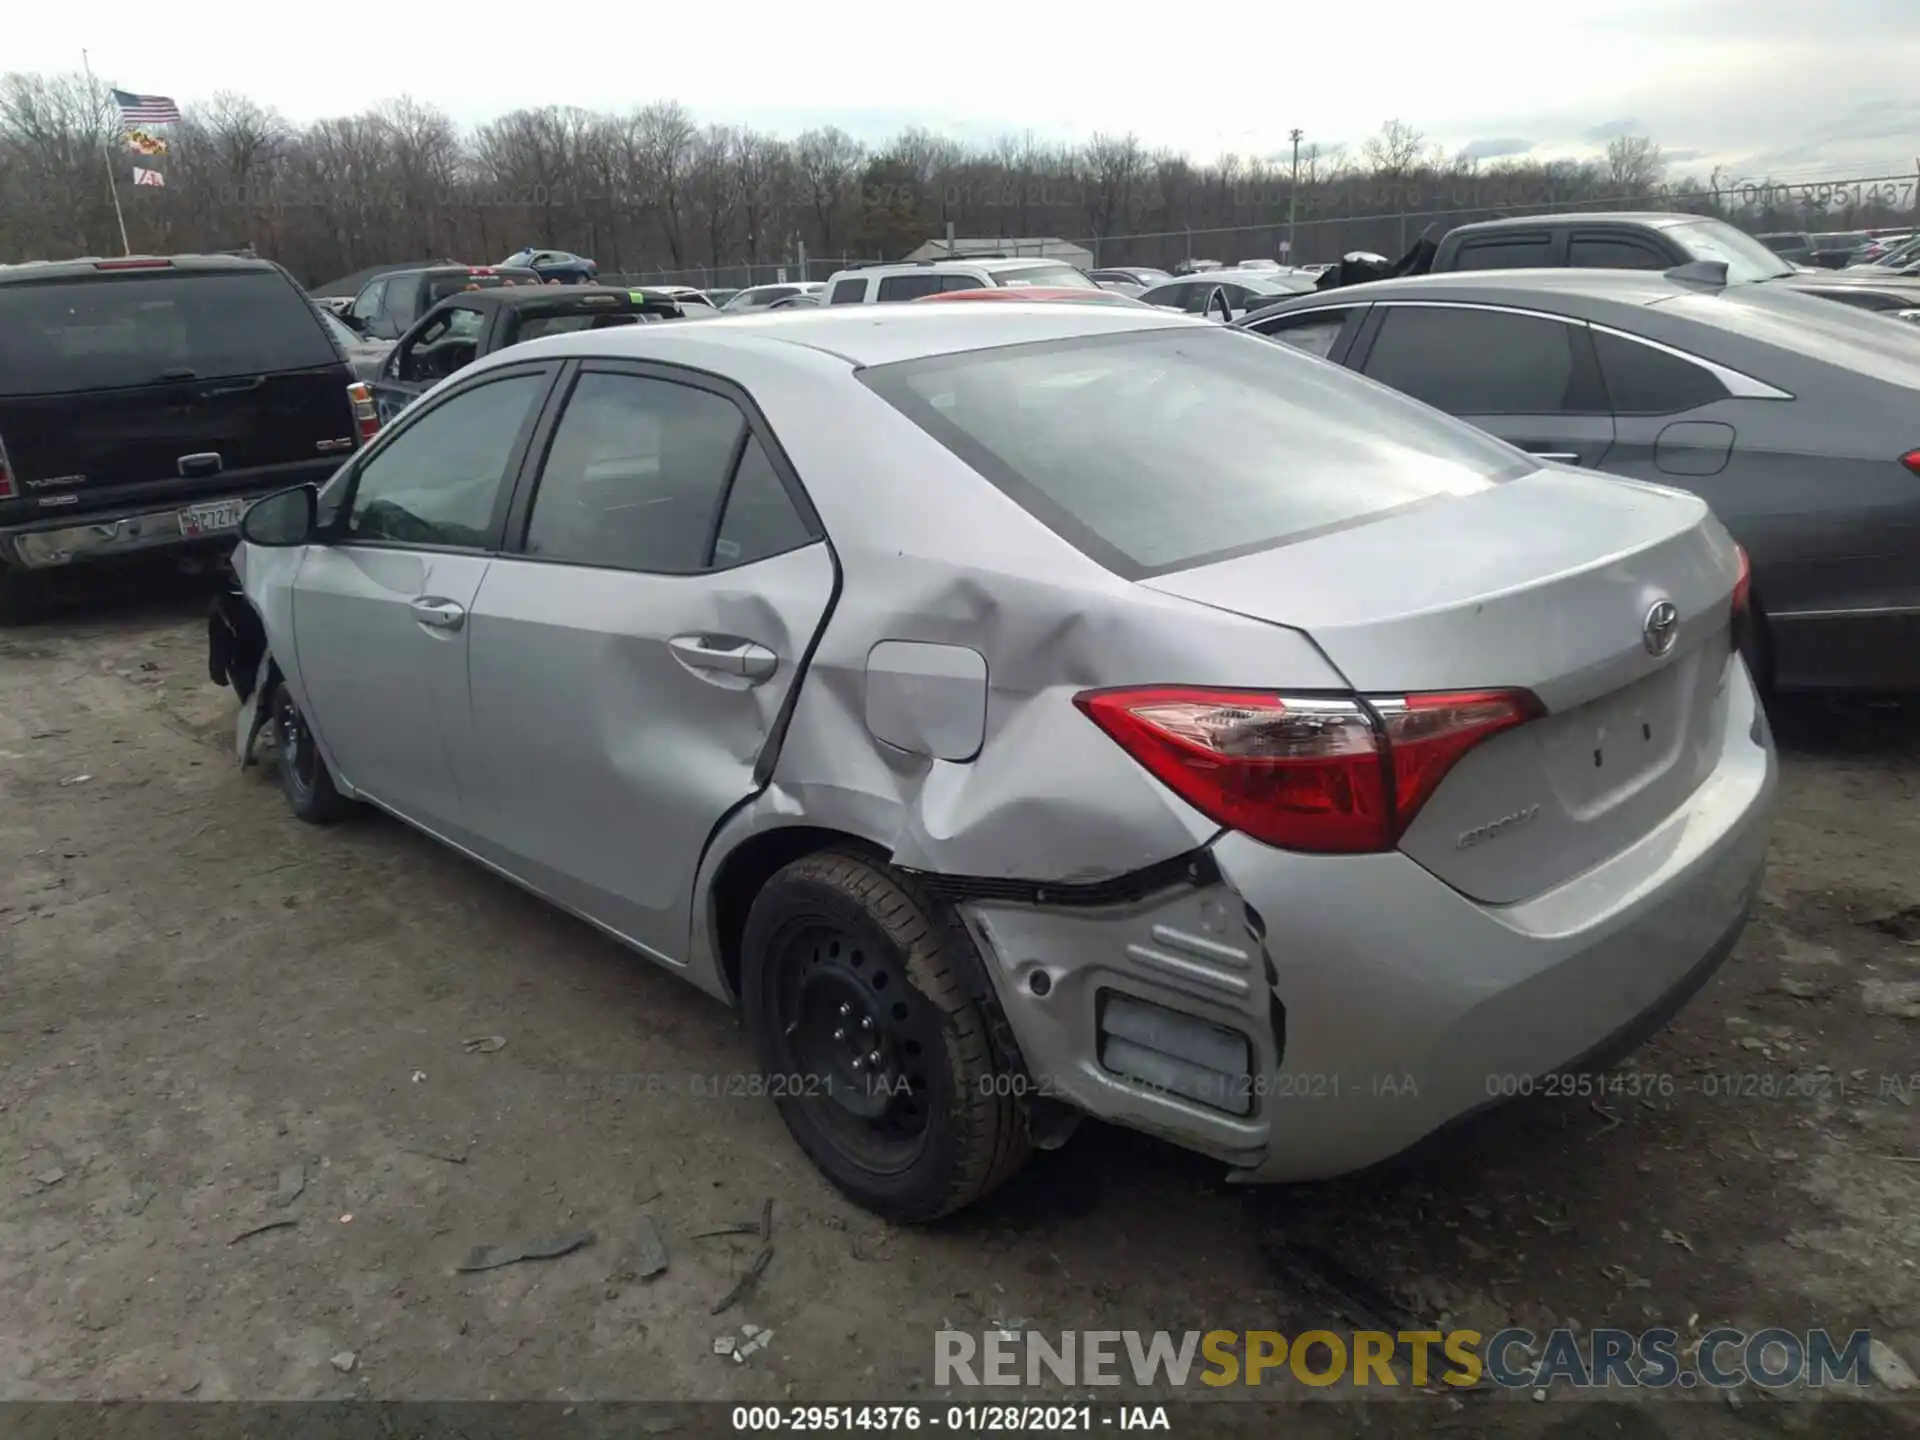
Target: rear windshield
{"x":535,"y":326}
{"x":1154,"y":451}
{"x":439,"y":287}
{"x":140,"y":328}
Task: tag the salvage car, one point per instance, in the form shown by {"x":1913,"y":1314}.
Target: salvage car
{"x":1796,"y":419}
{"x":1077,"y":777}
{"x":554,"y":265}
{"x":459,"y":330}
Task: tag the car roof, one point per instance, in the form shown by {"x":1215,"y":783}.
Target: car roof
{"x":960,"y":262}
{"x":1018,"y":294}
{"x":109,"y":264}
{"x":521,"y":297}
{"x":1623,"y":287}
{"x":865,"y":335}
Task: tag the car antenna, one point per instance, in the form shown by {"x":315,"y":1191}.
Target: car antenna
{"x":1707,"y":274}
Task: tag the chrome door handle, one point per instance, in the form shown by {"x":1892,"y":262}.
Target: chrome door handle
{"x":724,"y":655}
{"x":440,"y":614}
{"x":1563,"y":457}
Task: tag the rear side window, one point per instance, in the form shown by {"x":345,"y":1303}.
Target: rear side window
{"x":1477,"y":362}
{"x":911,"y":287}
{"x":760,"y":520}
{"x":1313,"y":333}
{"x":1152,"y":451}
{"x":1506,"y":252}
{"x":849,"y":292}
{"x":1613,"y":252}
{"x":140,"y":329}
{"x":1644,"y":381}
{"x":439,"y":287}
{"x":633,"y":478}
{"x":532,"y":327}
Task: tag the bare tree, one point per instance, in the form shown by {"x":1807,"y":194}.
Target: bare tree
{"x":1635,"y":165}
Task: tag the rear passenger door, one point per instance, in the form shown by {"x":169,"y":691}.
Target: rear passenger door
{"x":1529,"y":378}
{"x":911,"y":287}
{"x":635,"y":648}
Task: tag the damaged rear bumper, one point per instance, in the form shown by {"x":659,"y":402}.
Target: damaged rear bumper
{"x":1305,"y":1016}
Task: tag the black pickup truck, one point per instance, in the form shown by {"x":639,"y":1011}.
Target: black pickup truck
{"x":1655,"y":240}
{"x":465,"y":326}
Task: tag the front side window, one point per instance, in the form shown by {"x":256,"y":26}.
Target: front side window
{"x":366,"y":304}
{"x":437,"y":481}
{"x":634,"y":476}
{"x":1476,"y":362}
{"x":1746,"y":258}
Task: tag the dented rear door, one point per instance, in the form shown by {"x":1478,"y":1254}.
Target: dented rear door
{"x":634,"y":652}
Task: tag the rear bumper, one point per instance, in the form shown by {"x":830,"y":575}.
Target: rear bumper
{"x":1372,"y":1003}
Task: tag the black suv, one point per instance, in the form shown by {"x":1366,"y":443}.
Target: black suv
{"x":145,"y":401}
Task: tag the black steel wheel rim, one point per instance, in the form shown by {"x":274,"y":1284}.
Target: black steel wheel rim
{"x":862,"y":1042}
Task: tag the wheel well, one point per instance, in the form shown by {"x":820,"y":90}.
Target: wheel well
{"x":748,"y":868}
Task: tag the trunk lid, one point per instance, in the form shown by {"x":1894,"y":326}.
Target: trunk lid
{"x":1546,"y":584}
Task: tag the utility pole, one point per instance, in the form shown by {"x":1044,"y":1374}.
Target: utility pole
{"x":1293,"y":201}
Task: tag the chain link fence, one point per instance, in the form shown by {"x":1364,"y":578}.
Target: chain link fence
{"x":1311,"y":236}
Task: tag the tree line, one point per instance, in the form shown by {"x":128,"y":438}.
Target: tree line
{"x":652,"y":190}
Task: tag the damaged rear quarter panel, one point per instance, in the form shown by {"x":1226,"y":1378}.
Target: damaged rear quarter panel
{"x":932,"y":553}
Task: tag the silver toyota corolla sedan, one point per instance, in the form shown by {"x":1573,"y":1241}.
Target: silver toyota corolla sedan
{"x":1028,"y":712}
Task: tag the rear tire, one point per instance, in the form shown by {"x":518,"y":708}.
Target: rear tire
{"x":880,"y":1039}
{"x":304,"y":777}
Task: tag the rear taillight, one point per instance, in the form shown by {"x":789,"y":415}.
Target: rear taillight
{"x":1912,"y":458}
{"x":365,"y":414}
{"x":6,"y":474}
{"x":1334,"y":775}
{"x":1743,"y":583}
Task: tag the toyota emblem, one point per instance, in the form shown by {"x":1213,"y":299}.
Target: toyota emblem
{"x":1662,"y":627}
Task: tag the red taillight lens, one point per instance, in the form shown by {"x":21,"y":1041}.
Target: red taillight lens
{"x":1311,"y":773}
{"x":6,"y":474}
{"x":1743,"y":583}
{"x":1912,"y":461}
{"x":365,"y":413}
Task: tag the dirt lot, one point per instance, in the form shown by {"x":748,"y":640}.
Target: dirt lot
{"x":198,"y":996}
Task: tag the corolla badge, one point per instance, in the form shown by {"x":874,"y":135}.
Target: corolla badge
{"x":1662,"y":627}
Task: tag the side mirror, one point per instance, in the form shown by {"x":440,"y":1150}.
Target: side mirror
{"x":353,"y":322}
{"x":283,"y":519}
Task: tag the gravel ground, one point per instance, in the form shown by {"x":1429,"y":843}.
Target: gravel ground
{"x":206,"y":1007}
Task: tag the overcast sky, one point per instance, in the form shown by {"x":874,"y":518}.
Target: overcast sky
{"x":1794,"y":87}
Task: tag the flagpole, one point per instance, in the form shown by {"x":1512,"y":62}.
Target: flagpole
{"x":113,"y":185}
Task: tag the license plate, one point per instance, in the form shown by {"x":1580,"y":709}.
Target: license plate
{"x":198,"y":520}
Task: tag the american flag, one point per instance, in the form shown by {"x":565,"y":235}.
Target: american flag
{"x":146,"y":109}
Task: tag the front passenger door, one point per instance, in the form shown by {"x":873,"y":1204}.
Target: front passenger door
{"x":631,"y":660}
{"x":380,"y":608}
{"x":1530,"y":379}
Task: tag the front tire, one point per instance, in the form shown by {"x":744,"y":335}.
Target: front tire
{"x":304,"y":777}
{"x":879,"y":1039}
